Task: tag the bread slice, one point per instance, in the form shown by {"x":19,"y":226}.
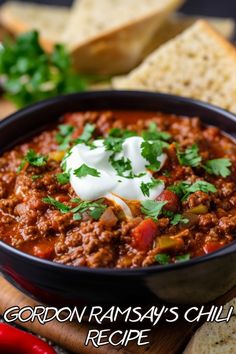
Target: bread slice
{"x":215,"y":338}
{"x":50,"y":21}
{"x":177,"y":23}
{"x":108,"y":36}
{"x":199,"y":63}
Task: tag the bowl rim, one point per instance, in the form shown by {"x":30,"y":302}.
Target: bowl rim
{"x":135,"y":272}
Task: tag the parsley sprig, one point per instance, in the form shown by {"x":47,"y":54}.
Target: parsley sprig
{"x":33,"y":159}
{"x":29,"y":74}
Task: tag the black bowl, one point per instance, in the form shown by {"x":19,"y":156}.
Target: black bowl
{"x":194,"y":282}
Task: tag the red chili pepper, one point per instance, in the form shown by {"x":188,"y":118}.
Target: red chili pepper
{"x":144,"y":234}
{"x":13,"y":340}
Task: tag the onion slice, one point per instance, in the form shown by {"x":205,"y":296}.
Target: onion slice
{"x":125,"y":208}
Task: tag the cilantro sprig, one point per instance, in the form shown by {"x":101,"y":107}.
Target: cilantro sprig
{"x":146,"y":187}
{"x":63,"y":178}
{"x":58,"y":205}
{"x":151,"y":151}
{"x":86,"y":136}
{"x":33,"y":159}
{"x":84,"y":170}
{"x":64,"y":136}
{"x":190,"y":156}
{"x":152,"y":208}
{"x":153,"y":133}
{"x":184,"y":189}
{"x":94,"y":209}
{"x":162,"y":258}
{"x":218,"y":167}
{"x":29,"y":74}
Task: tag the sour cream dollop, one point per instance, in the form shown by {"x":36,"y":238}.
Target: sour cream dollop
{"x":109,"y":182}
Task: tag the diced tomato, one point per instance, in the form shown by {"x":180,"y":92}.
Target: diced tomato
{"x":43,"y":251}
{"x":171,"y":198}
{"x":213,"y":246}
{"x":144,"y":235}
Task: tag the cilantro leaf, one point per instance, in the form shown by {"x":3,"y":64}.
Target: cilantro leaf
{"x":162,"y":258}
{"x":184,"y":189}
{"x":122,"y":166}
{"x":63,"y":178}
{"x":116,"y":137}
{"x":202,"y":186}
{"x":151,"y":151}
{"x":85,"y":170}
{"x":152,"y":208}
{"x":183,"y":258}
{"x":95,"y":209}
{"x":178,"y":218}
{"x":63,"y":138}
{"x":218,"y":167}
{"x":29,"y":74}
{"x":87,"y":134}
{"x":58,"y":205}
{"x":154,"y":134}
{"x":113,"y":144}
{"x":33,"y":159}
{"x":190,"y":156}
{"x":121,"y":133}
{"x":145,"y":187}
{"x":34,"y":177}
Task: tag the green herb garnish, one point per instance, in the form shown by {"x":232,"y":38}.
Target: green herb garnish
{"x":152,"y":208}
{"x":146,"y":187}
{"x":183,"y":258}
{"x":63,"y":178}
{"x":64,"y":138}
{"x":29,"y":74}
{"x":87,"y":135}
{"x":178,"y":218}
{"x":122,"y":166}
{"x":190,"y":156}
{"x":35,"y":177}
{"x":152,"y":133}
{"x":58,"y":205}
{"x":95,"y":209}
{"x":162,"y":258}
{"x":218,"y":167}
{"x":184,"y":189}
{"x":85,"y":170}
{"x":33,"y":159}
{"x":121,"y":133}
{"x":151,"y":151}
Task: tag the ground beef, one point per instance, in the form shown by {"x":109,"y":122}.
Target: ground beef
{"x":35,"y":227}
